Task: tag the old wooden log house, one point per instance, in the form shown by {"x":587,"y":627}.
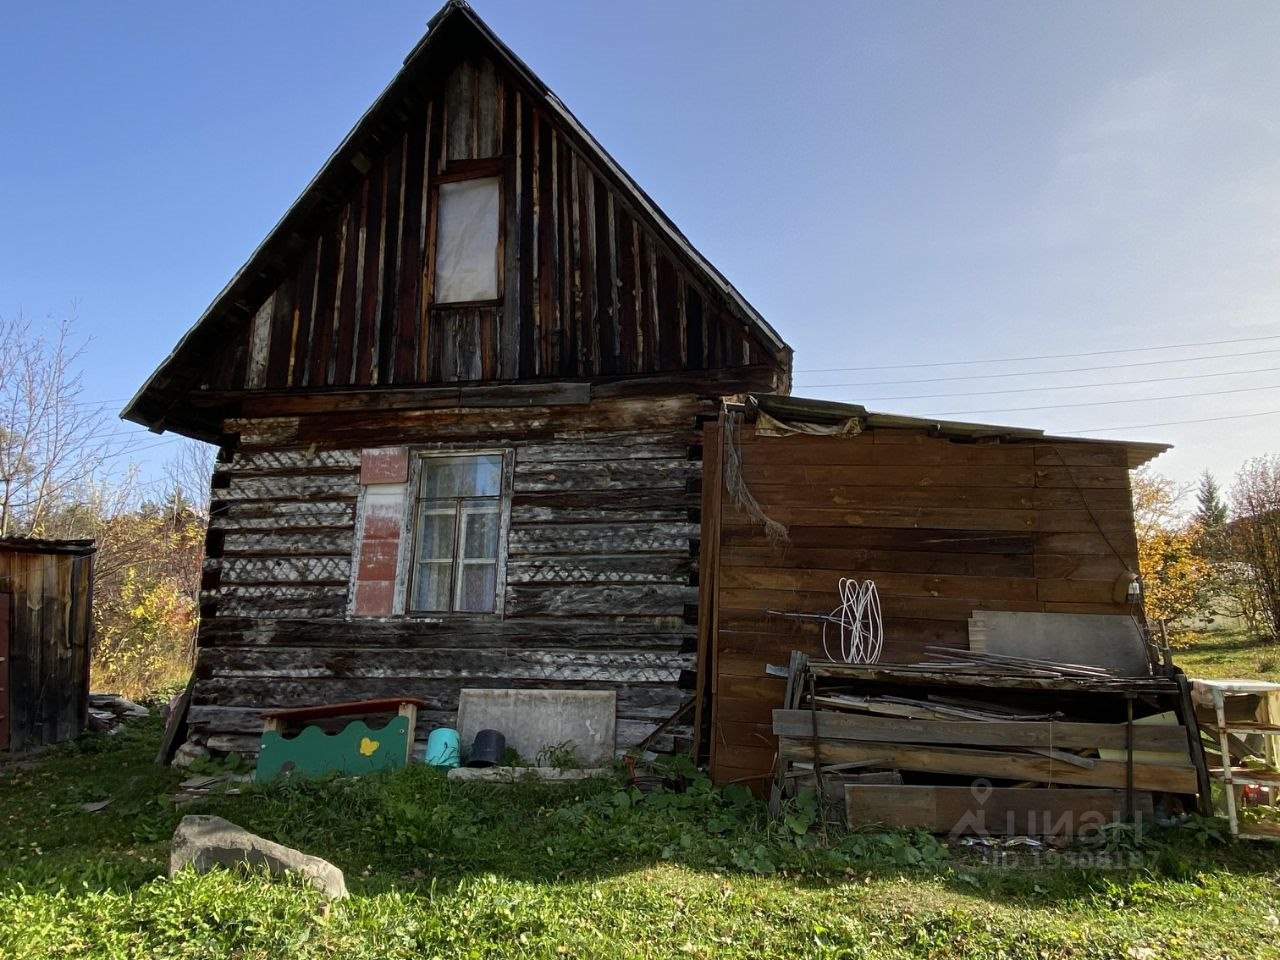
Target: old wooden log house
{"x":460,"y":393}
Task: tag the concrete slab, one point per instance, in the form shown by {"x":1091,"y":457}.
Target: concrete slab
{"x":534,"y":721}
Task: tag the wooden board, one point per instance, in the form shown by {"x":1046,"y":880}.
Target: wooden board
{"x":6,"y":628}
{"x":356,"y":749}
{"x":49,"y":623}
{"x":979,"y":733}
{"x":1112,"y":642}
{"x":996,"y":765}
{"x":985,"y":810}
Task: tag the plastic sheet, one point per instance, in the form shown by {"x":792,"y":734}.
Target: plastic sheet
{"x":467,"y":241}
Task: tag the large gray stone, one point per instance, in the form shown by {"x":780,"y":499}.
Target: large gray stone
{"x":535,"y":720}
{"x":189,"y":753}
{"x":206,"y":842}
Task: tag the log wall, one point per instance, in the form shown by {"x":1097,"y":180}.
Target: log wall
{"x":601,"y":568}
{"x":942,"y":527}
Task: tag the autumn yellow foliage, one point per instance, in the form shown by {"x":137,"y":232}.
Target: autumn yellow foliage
{"x":1177,"y":580}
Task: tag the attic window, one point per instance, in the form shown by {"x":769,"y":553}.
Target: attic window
{"x":467,"y":240}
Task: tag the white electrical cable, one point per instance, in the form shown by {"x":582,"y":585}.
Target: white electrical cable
{"x":859,"y":621}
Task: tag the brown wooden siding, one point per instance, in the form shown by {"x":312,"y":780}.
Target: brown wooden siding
{"x":943,"y":528}
{"x":45,"y":598}
{"x":601,"y":565}
{"x":588,"y":288}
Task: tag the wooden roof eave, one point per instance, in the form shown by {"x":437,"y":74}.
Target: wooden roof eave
{"x":830,"y":411}
{"x":155,"y":400}
{"x":79,"y":548}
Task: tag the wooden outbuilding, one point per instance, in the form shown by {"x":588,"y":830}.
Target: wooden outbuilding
{"x":46,"y":633}
{"x":947,"y":519}
{"x":458,"y":393}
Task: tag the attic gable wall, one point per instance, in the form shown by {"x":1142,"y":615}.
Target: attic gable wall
{"x":588,"y":287}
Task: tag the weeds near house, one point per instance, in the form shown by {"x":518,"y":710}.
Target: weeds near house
{"x":593,"y":869}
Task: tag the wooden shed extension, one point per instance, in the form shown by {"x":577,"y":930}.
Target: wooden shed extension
{"x":946,"y":518}
{"x":46,"y":629}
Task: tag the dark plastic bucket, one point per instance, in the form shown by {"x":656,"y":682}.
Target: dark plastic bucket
{"x":488,"y":750}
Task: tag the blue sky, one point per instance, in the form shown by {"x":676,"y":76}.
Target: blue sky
{"x":889,"y":183}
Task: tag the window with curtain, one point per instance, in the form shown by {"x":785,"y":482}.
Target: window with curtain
{"x":467,"y":240}
{"x":458,"y":519}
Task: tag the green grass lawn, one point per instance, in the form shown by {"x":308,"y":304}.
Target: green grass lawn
{"x":439,"y":869}
{"x":1226,"y":654}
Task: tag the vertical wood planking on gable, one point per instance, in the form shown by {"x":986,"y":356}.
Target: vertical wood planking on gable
{"x":612,"y":283}
{"x":371,"y":275}
{"x":587,"y":288}
{"x":626,"y":286}
{"x":444,"y":345}
{"x":281,"y":334}
{"x":488,"y":111}
{"x":602,"y":245}
{"x":509,"y":344}
{"x":302,"y":314}
{"x":405,"y":365}
{"x":643,"y":341}
{"x":469,"y":343}
{"x":260,"y":344}
{"x":683,"y":321}
{"x":229,"y":367}
{"x":334,"y":372}
{"x":525,"y":160}
{"x":391,"y":233}
{"x":668,"y":314}
{"x":696,"y":329}
{"x":647,"y":331}
{"x":568,"y":346}
{"x":544,"y":211}
{"x":348,"y":294}
{"x":429,"y":344}
{"x":322,"y":312}
{"x":460,"y":111}
{"x":590,"y":305}
{"x":554,"y":266}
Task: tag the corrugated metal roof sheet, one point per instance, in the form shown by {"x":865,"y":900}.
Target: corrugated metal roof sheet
{"x":830,"y":412}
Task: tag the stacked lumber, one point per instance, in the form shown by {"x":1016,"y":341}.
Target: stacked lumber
{"x":977,"y":745}
{"x":975,"y":661}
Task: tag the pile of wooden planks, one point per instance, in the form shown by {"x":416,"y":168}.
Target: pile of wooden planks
{"x":1022,"y":748}
{"x":975,"y":661}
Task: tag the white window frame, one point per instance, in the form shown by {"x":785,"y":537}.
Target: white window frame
{"x":409,"y":550}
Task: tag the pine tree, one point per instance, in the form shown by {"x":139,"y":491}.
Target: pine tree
{"x":1212,"y":512}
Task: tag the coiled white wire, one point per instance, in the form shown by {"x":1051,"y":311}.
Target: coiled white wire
{"x":859,"y":623}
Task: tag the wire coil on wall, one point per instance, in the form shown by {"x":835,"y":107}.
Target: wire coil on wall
{"x":856,"y":623}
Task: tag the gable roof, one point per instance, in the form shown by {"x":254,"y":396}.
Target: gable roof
{"x":229,"y":313}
